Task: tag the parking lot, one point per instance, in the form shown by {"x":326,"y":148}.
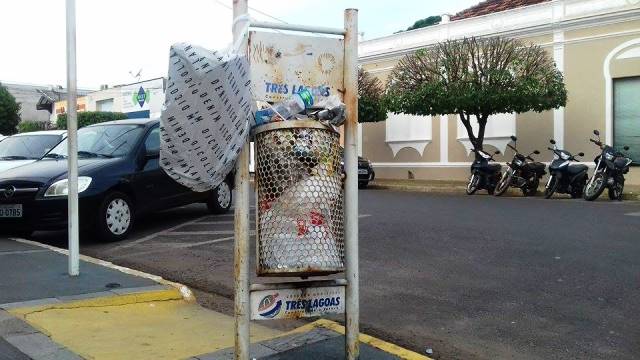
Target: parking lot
{"x":473,"y":277}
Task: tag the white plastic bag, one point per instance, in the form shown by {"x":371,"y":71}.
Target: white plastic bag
{"x":207,"y":115}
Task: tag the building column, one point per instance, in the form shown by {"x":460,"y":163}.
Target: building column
{"x":444,"y":139}
{"x":558,"y":114}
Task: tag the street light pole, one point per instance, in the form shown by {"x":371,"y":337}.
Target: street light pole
{"x":352,"y":307}
{"x":72,"y":141}
{"x":241,"y":218}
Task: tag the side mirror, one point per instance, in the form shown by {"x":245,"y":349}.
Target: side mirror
{"x":536,"y":152}
{"x":497,"y":152}
{"x":514,"y":138}
{"x":552,"y":141}
{"x":596,"y":132}
{"x":152,"y":154}
{"x":626,"y":148}
{"x":581,"y":154}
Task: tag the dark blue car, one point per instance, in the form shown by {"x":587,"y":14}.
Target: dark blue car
{"x":119,"y":179}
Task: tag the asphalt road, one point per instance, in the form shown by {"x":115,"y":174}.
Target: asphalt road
{"x":473,"y":277}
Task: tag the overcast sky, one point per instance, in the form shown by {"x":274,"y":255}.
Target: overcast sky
{"x":115,"y":37}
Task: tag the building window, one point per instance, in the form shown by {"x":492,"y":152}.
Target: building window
{"x":626,"y":115}
{"x":408,"y":131}
{"x":104,"y":105}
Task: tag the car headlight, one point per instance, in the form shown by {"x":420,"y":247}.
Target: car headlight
{"x":608,"y":156}
{"x":61,"y":187}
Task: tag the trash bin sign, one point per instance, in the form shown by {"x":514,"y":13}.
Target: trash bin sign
{"x":283,"y":64}
{"x":297,"y":303}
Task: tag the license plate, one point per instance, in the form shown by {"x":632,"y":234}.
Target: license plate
{"x":363,"y":171}
{"x":11,"y":211}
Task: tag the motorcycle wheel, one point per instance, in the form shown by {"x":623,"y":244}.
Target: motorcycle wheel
{"x":578,"y":191}
{"x":615,"y":191}
{"x":551,"y":187}
{"x":504,"y":183}
{"x":594,"y":188}
{"x":472,"y":187}
{"x":532,"y":188}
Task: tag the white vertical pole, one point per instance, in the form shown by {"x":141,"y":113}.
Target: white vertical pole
{"x":241,"y":224}
{"x":72,"y":140}
{"x":351,"y":187}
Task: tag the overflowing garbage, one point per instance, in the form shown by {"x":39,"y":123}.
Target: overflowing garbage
{"x":207,"y":115}
{"x":300,"y":199}
{"x":300,"y":106}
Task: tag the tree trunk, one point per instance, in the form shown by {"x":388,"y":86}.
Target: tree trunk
{"x":482,"y":124}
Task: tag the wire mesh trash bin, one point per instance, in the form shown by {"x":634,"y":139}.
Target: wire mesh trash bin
{"x":300,"y":217}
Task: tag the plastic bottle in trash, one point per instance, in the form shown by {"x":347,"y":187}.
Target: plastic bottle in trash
{"x":286,"y":109}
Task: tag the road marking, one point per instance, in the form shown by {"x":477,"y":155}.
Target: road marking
{"x":211,"y":232}
{"x":154,"y":235}
{"x":172,"y":247}
{"x":22,"y":252}
{"x":633,"y":214}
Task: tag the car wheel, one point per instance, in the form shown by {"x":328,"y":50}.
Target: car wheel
{"x":220,"y":199}
{"x":363,"y":184}
{"x":115,"y":217}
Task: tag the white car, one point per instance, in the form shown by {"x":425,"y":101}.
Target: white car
{"x":25,"y":148}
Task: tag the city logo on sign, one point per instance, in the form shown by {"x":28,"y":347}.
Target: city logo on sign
{"x":141,"y":97}
{"x":270,"y":306}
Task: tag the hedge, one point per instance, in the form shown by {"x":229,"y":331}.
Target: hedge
{"x":29,"y":126}
{"x":90,"y":117}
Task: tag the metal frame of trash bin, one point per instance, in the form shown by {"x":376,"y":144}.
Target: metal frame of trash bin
{"x":241,"y":245}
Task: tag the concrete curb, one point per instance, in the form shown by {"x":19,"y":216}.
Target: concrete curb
{"x":457,"y":190}
{"x":184,"y":291}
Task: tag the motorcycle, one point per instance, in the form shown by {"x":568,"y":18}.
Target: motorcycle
{"x":522,"y":172}
{"x":564,"y":177}
{"x":484,"y":175}
{"x":611,"y":165}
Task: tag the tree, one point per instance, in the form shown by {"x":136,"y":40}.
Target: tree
{"x":90,"y":117}
{"x":9,"y":112}
{"x":428,"y":21}
{"x":370,"y":93}
{"x":476,"y":77}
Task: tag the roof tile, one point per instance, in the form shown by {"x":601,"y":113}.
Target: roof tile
{"x":493,"y":6}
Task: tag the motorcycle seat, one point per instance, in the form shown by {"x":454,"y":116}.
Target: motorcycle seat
{"x":577,"y":168}
{"x":537,"y":166}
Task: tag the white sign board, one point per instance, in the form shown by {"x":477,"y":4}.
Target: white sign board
{"x":137,"y":97}
{"x":297,"y":303}
{"x":283,"y":64}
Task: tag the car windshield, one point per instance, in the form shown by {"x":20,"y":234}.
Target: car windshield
{"x":102,"y":141}
{"x":25,"y":147}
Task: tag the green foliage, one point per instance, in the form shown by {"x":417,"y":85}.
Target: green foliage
{"x":9,"y":112}
{"x":476,"y":77}
{"x":370,"y":92}
{"x":90,"y":117}
{"x":431,"y":20}
{"x":29,"y":126}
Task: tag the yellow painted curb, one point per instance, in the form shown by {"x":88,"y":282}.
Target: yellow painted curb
{"x":115,"y":300}
{"x":369,"y":340}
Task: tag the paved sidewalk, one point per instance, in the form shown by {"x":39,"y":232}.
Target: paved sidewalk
{"x":110,"y":312}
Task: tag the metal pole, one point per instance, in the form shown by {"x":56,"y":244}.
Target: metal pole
{"x":241,"y":224}
{"x":72,"y":141}
{"x":351,"y":187}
